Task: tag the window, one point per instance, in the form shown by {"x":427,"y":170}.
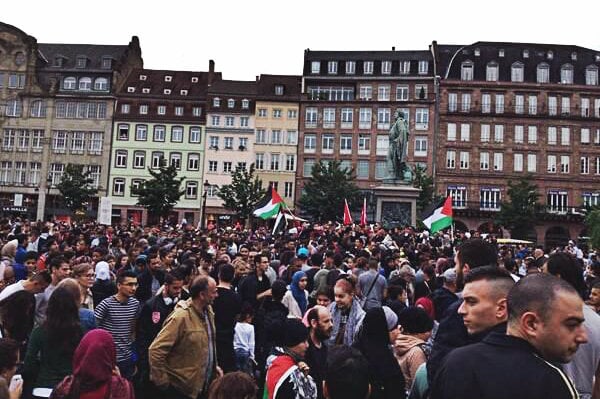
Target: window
{"x":241,"y":166}
{"x":566,"y":74}
{"x":36,"y":141}
{"x":364,"y":143}
{"x":143,"y":109}
{"x":243,"y":143}
{"x":37,"y":109}
{"x":464,"y":160}
{"x":551,"y":164}
{"x":119,"y":187}
{"x":141,"y":132}
{"x":597,"y":166}
{"x":404,"y":67}
{"x":195,"y":134}
{"x":499,"y":103}
{"x":311,"y":117}
{"x":386,"y":67}
{"x":81,"y":62}
{"x":85,"y":84}
{"x":498,"y":133}
{"x":565,"y":162}
{"x":383,"y":92}
{"x":175,"y":160}
{"x":157,"y":159}
{"x":585,"y":107}
{"x":290,"y":162}
{"x":20,"y":173}
{"x":262,"y":112}
{"x":123,"y":132}
{"x":452,"y":102}
{"x":590,"y":199}
{"x":59,"y":141}
{"x":422,"y":119}
{"x":543,"y":73}
{"x":485,"y":133}
{"x":347,"y":114}
{"x":177,"y":134}
{"x":565,"y":103}
{"x":228,"y":142}
{"x":458,"y":195}
{"x":159,"y":133}
{"x":8,"y":140}
{"x":168,"y":78}
{"x":276,"y":113}
{"x":101,"y":84}
{"x":557,"y":201}
{"x":489,"y":199}
{"x":96,"y":139}
{"x":531,"y":163}
{"x":532,"y":105}
{"x":364,"y":118}
{"x":451,"y":132}
{"x":292,"y":114}
{"x":332,"y":67}
{"x":450,"y":159}
{"x":162,"y":109}
{"x":275,"y":161}
{"x":345,"y":144}
{"x":276,"y":136}
{"x":197,"y":111}
{"x":565,"y":135}
{"x":585,"y":136}
{"x":518,"y":162}
{"x":368,"y":67}
{"x":486,"y":103}
{"x":552,"y":105}
{"x":466,"y":70}
{"x":362,"y":170}
{"x":383,"y":118}
{"x":227,"y":166}
{"x":13,"y":107}
{"x":401,"y":93}
{"x":315,"y":67}
{"x":365,"y":92}
{"x":382,"y":145}
{"x":465,"y":132}
{"x":519,"y":134}
{"x":465,"y":105}
{"x":288,"y":189}
{"x":94,"y":171}
{"x":23,"y":140}
{"x":56,"y":172}
{"x":420,"y":146}
{"x":191,"y":190}
{"x":35,"y":169}
{"x":125,"y":108}
{"x":328,"y":118}
{"x":183,"y":92}
{"x":215,"y":120}
{"x":77,"y":143}
{"x":244,"y":121}
{"x":591,"y":75}
{"x":121,"y":159}
{"x":423,"y":67}
{"x":516,"y":72}
{"x":216,"y":102}
{"x":380,"y":169}
{"x":350,"y":67}
{"x":69,"y":83}
{"x":327,"y":143}
{"x":291,"y":137}
{"x":552,"y":135}
{"x":259,"y":161}
{"x":229,"y":121}
{"x":519,"y":104}
{"x":584,"y":165}
{"x":310,"y":143}
{"x":498,"y":161}
{"x":491,"y":72}
{"x":261,"y":136}
{"x":139,"y":159}
{"x":245,"y":103}
{"x":484,"y":160}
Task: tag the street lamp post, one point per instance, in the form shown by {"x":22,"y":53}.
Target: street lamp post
{"x":48,"y":186}
{"x":206,"y":186}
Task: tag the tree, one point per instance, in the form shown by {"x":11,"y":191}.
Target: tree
{"x":424,"y":182}
{"x":519,"y":214}
{"x":243,"y":193}
{"x":75,"y":187}
{"x":160,"y":194}
{"x":326,"y":189}
{"x":592,"y":222}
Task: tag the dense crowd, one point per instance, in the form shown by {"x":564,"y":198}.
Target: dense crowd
{"x":323,"y":311}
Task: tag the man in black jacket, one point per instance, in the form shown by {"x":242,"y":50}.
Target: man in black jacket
{"x":151,"y":279}
{"x":545,"y":326}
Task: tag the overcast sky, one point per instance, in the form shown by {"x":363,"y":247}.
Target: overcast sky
{"x":249,"y":38}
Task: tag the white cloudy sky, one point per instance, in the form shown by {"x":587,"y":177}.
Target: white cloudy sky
{"x":247,"y":38}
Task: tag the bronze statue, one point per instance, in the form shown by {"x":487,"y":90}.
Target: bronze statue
{"x":398,"y":146}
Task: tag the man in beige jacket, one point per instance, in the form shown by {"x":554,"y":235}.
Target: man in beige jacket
{"x":183,"y":358}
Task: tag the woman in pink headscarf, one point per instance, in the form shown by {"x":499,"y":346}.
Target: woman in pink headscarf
{"x":95,"y":373}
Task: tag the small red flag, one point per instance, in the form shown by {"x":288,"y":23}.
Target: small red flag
{"x":363,"y":213}
{"x":347,"y":217}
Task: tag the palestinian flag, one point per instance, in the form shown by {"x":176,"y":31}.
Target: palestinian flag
{"x":441,"y":217}
{"x":269,"y":205}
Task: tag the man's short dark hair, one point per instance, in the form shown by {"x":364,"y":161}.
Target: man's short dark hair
{"x":56,"y":262}
{"x":42,"y":276}
{"x":347,"y":373}
{"x":500,"y":278}
{"x":535,"y":293}
{"x":313,"y":314}
{"x":9,"y":353}
{"x":226,"y":272}
{"x":199,"y":285}
{"x":121,"y":276}
{"x":30,"y":255}
{"x":565,"y":266}
{"x":172,"y":276}
{"x":476,"y":253}
{"x":596,"y":283}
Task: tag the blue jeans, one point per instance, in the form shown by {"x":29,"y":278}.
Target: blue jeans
{"x":243,"y":361}
{"x":127,"y":368}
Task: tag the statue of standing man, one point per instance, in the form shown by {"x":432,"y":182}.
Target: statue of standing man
{"x":398,"y":146}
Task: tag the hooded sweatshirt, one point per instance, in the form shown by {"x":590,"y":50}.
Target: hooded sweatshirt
{"x":410,"y":355}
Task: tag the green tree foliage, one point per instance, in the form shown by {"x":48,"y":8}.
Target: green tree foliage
{"x":160,"y":194}
{"x":424,"y":182}
{"x":326,"y":189}
{"x":243,"y":193}
{"x":75,"y":187}
{"x":592,"y":221}
{"x":518,"y":215}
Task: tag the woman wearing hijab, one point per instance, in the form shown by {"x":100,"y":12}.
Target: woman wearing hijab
{"x":379,"y":330}
{"x":95,"y":373}
{"x":296,"y":298}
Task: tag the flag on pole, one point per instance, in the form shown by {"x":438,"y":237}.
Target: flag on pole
{"x":441,"y":216}
{"x":363,"y":213}
{"x":281,"y":220}
{"x":347,"y":217}
{"x":269,"y":205}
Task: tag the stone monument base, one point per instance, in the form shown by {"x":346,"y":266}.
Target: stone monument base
{"x":396,"y":203}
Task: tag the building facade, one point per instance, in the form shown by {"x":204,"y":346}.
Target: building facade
{"x":276,"y":140}
{"x":57,"y":102}
{"x":509,"y":110}
{"x":230,"y":141}
{"x":349,"y":99}
{"x":160,"y":119}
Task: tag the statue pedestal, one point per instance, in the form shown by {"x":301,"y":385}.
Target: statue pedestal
{"x":396,"y":203}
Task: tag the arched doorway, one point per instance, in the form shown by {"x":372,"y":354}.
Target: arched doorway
{"x":490,"y":228}
{"x":556,"y":236}
{"x":460,"y":226}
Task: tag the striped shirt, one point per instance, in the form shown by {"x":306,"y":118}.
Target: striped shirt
{"x":119,"y":319}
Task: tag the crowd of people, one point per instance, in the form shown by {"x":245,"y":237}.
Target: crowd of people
{"x":322,"y":312}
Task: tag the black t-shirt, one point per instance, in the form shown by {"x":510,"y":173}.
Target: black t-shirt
{"x":316,"y":358}
{"x":226,"y":307}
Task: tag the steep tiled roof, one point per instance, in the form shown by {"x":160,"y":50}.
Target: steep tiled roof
{"x":291,"y":87}
{"x":156,"y":81}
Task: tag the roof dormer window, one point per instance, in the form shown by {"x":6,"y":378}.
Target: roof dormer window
{"x":81,"y":61}
{"x":573,"y":56}
{"x":230,"y":103}
{"x":279,"y":90}
{"x":168,"y":78}
{"x":477,"y":52}
{"x":58,"y":61}
{"x":167,"y":91}
{"x":525,"y":53}
{"x":194,"y":79}
{"x":106,"y":62}
{"x":183,"y":92}
{"x":131,"y":89}
{"x":216,"y":102}
{"x":146,"y":90}
{"x":143,"y":77}
{"x":501,"y":52}
{"x":550,"y":55}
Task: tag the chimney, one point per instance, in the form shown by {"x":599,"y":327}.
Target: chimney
{"x":393,"y":48}
{"x":257,"y":78}
{"x":211,"y":72}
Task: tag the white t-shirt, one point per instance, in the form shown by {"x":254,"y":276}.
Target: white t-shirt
{"x":11,"y":289}
{"x":244,"y":337}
